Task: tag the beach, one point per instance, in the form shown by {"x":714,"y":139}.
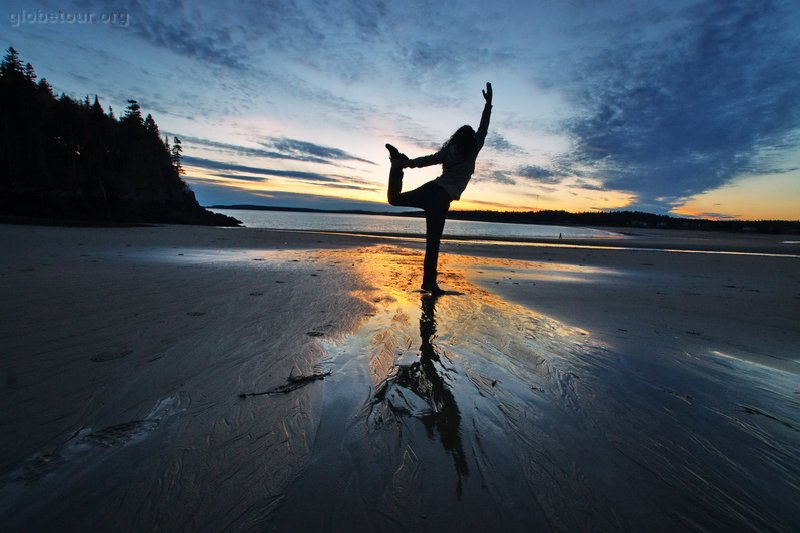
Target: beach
{"x":188,"y":378}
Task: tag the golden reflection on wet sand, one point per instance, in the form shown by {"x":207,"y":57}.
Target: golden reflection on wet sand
{"x":466,"y":411}
{"x":450,"y":380}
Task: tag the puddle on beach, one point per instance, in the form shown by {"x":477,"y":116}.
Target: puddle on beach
{"x":430,"y":416}
{"x":462,"y":412}
{"x":535,"y":271}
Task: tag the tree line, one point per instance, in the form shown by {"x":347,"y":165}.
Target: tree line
{"x":626,"y":219}
{"x":62,"y":158}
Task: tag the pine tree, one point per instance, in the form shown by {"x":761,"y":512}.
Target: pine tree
{"x":97,"y":109}
{"x":133,"y":115}
{"x":151,"y":126}
{"x":177,"y":155}
{"x":11,"y":63}
{"x":30,"y":74}
{"x":45,"y":89}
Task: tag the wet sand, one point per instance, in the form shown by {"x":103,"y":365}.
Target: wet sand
{"x":557,"y":387}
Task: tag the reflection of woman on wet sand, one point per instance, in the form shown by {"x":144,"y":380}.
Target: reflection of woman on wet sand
{"x":457,"y":158}
{"x":424,"y":379}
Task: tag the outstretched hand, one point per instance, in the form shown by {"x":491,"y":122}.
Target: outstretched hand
{"x":487,"y":94}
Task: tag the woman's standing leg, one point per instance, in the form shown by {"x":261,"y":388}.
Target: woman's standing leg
{"x":435,"y":217}
{"x":436,"y":203}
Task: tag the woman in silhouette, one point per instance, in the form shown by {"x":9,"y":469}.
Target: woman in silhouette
{"x":457,"y":157}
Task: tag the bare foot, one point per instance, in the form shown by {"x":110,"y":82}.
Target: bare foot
{"x":432,"y":288}
{"x":395,"y":155}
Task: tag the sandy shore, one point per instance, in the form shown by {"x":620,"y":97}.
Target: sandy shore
{"x":589,"y":385}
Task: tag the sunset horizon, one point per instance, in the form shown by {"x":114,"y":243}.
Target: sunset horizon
{"x":686,"y":110}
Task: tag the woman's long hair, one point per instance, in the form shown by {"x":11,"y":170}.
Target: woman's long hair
{"x":463,"y":140}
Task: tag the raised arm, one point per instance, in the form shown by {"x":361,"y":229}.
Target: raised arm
{"x":483,"y":128}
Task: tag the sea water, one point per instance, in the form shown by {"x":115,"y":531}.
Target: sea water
{"x":386,"y":224}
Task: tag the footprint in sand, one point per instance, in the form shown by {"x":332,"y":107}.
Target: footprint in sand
{"x":195,"y":313}
{"x":110,"y":356}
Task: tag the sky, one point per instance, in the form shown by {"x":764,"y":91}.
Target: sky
{"x":687,"y":108}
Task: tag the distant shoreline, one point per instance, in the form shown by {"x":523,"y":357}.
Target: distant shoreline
{"x":635,"y":220}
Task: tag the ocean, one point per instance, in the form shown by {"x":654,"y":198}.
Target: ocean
{"x":380,"y":224}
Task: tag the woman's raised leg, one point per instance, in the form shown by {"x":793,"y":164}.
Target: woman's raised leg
{"x":395,"y":183}
{"x":396,"y":177}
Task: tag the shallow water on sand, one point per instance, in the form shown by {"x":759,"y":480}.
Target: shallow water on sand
{"x":384,"y":224}
{"x":461,"y":411}
{"x":466,"y":411}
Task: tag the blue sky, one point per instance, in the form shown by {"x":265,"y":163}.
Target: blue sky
{"x":681,"y":107}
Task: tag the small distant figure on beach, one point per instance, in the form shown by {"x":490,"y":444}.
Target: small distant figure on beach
{"x":457,"y":157}
{"x":559,"y":235}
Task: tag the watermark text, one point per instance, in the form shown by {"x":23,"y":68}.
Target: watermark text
{"x":41,"y":16}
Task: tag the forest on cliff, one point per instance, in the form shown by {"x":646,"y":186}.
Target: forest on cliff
{"x":62,"y":159}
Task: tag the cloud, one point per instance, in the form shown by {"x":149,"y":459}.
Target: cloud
{"x":247,"y":150}
{"x":428,"y":142}
{"x":303,"y":150}
{"x":257,"y":174}
{"x":241,"y":177}
{"x":498,"y":142}
{"x":219,"y":165}
{"x":673,"y":117}
{"x":583,"y":184}
{"x":502,"y":177}
{"x":335,"y":38}
{"x":539,"y":174}
{"x":194,"y":33}
{"x":282,"y":148}
{"x":485,"y":203}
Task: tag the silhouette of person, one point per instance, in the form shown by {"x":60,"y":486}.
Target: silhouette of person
{"x":457,"y":157}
